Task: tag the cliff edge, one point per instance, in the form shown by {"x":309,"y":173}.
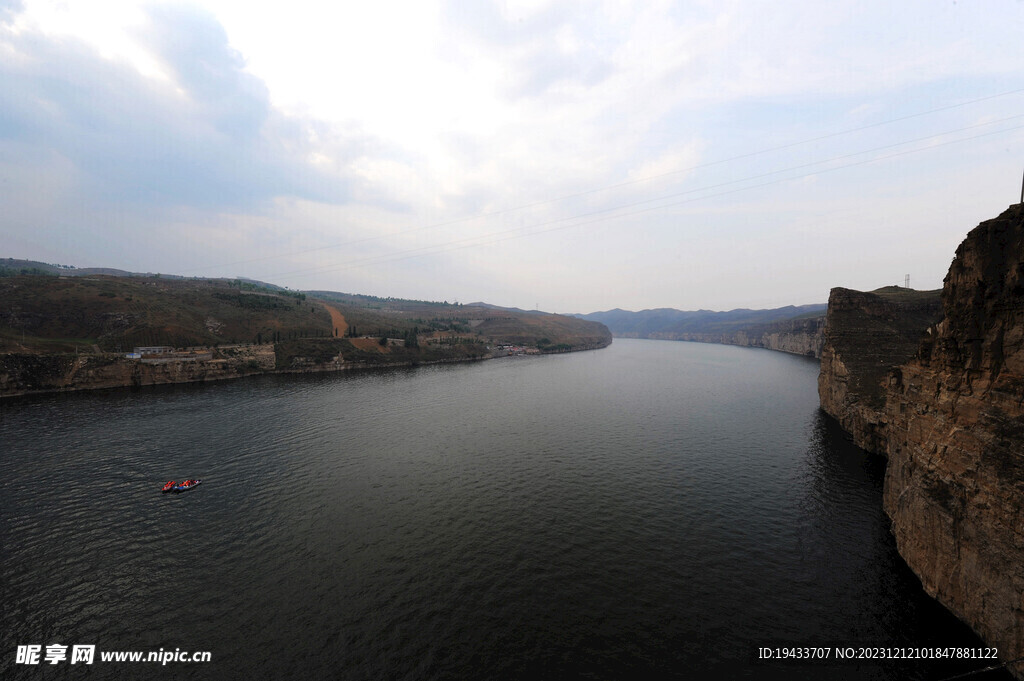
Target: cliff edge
{"x":950,"y":419}
{"x":800,"y":336}
{"x":865,"y":336}
{"x":954,"y":485}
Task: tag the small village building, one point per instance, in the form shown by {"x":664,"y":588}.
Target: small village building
{"x":152,"y":350}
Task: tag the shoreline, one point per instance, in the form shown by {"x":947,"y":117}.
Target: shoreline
{"x":82,"y":374}
{"x":710,"y":339}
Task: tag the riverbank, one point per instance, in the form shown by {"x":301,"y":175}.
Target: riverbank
{"x":31,"y":374}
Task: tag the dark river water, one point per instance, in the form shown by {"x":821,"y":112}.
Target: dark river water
{"x":651,"y":510}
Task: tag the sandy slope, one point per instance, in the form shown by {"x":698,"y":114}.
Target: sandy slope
{"x":337,"y":321}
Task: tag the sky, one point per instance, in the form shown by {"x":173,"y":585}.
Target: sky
{"x":566,"y":156}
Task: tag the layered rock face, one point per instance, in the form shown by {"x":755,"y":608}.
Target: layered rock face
{"x":798,"y":336}
{"x":954,"y":484}
{"x":22,"y":374}
{"x":950,"y":418}
{"x":795,"y":336}
{"x":866,"y":334}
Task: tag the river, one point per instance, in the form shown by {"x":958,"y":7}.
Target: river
{"x":650,"y":510}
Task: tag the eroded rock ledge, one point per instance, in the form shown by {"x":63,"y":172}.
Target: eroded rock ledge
{"x":946,"y":406}
{"x":795,"y":336}
{"x":866,"y":335}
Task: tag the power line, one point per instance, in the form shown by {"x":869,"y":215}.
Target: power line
{"x":506,"y":235}
{"x":618,"y":185}
{"x":683,"y":193}
{"x":512,"y":234}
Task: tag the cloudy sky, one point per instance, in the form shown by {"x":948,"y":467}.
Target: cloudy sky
{"x":571,"y":156}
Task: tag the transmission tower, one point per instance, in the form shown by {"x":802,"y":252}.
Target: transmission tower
{"x":906,"y":281}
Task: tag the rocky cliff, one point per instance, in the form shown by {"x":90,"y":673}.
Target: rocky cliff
{"x":27,"y":373}
{"x":796,"y":336}
{"x":950,"y":419}
{"x":865,"y":336}
{"x":22,"y":374}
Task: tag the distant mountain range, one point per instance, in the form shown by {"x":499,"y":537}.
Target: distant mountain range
{"x":668,"y":322}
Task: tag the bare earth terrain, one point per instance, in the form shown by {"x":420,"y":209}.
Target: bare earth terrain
{"x":337,"y":320}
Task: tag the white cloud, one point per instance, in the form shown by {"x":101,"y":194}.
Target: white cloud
{"x":331,"y":144}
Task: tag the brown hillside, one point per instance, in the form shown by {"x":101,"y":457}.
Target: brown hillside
{"x":59,"y":314}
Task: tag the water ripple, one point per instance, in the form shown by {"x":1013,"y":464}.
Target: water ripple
{"x":653,"y":509}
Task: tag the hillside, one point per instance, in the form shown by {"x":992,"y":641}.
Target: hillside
{"x":48,"y":314}
{"x":394,"y":316}
{"x":62,"y":332}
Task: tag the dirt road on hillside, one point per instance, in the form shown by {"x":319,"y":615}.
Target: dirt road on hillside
{"x":337,"y":321}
